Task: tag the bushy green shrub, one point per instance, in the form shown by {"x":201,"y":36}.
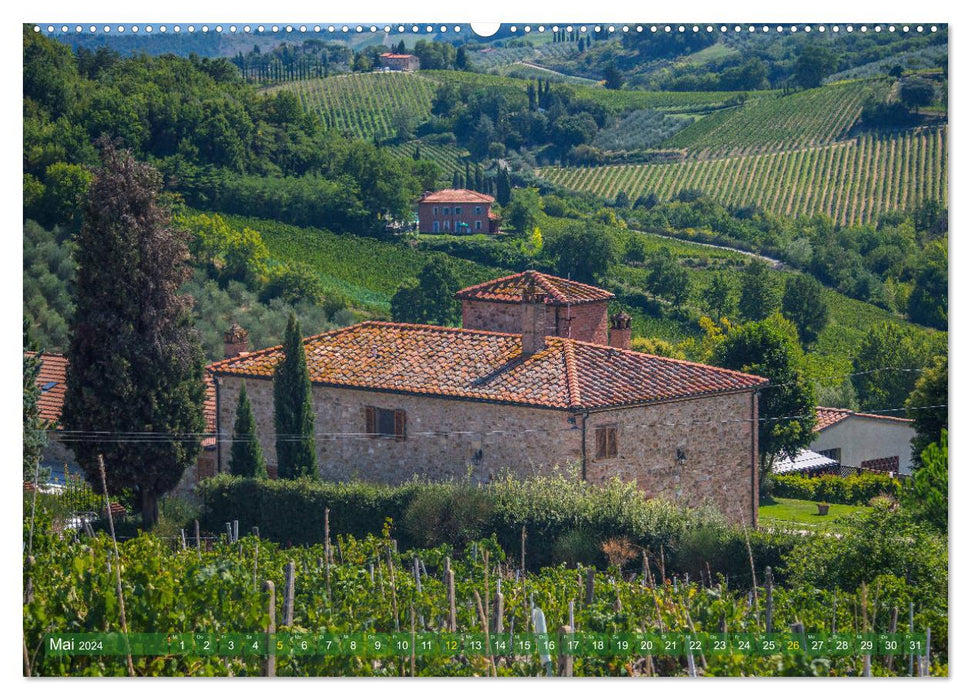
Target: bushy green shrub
{"x":857,"y":489}
{"x":566,"y":519}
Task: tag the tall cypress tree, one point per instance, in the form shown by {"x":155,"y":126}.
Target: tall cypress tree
{"x":135,"y":372}
{"x":295,"y":449}
{"x":503,"y":187}
{"x":246,"y":456}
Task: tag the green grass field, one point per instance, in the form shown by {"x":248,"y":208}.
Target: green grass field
{"x":365,"y":270}
{"x":793,"y":514}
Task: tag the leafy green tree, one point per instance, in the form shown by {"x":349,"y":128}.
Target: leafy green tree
{"x":925,"y":497}
{"x":759,"y":297}
{"x":430,"y":298}
{"x":65,"y":192}
{"x":523,"y":211}
{"x":293,"y":409}
{"x":246,"y":257}
{"x":135,"y":362}
{"x":246,"y":455}
{"x":613,"y":78}
{"x":927,"y":406}
{"x":917,"y":93}
{"x":927,"y":304}
{"x":35,"y":427}
{"x":635,"y":250}
{"x":583,"y":252}
{"x":666,"y":278}
{"x":787,"y":413}
{"x":720,"y":296}
{"x":804,"y":305}
{"x":293,"y":282}
{"x":814,"y":63}
{"x":884,"y":366}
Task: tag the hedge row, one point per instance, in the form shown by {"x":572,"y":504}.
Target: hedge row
{"x":851,"y":490}
{"x":566,"y":520}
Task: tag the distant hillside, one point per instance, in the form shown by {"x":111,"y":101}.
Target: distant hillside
{"x":852,"y":181}
{"x":805,"y":118}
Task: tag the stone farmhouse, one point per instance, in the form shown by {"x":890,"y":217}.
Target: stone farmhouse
{"x":395,"y":400}
{"x":456,"y":211}
{"x":400,"y":61}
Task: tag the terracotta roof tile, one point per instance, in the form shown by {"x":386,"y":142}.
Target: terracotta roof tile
{"x":828,"y":417}
{"x":487,"y":366}
{"x":559,"y":291}
{"x":458,"y":196}
{"x":52,"y":381}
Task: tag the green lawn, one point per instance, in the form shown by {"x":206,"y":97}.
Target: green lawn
{"x":792,"y":513}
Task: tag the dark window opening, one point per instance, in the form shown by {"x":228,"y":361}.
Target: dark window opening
{"x":384,"y":422}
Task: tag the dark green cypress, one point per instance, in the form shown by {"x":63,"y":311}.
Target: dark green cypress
{"x":135,"y":361}
{"x":294,"y":415}
{"x":246,"y":455}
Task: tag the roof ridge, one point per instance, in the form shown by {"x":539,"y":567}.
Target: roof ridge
{"x":547,"y":284}
{"x":572,"y":381}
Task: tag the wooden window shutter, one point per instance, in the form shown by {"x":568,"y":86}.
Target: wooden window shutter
{"x":370,"y":421}
{"x":611,"y":442}
{"x":601,"y":443}
{"x":399,"y":424}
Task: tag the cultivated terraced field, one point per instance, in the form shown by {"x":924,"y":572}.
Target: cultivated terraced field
{"x":365,"y":104}
{"x":852,"y":181}
{"x":448,"y":158}
{"x":806,"y":118}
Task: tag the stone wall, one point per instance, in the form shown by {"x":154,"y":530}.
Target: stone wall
{"x":444,"y":438}
{"x":455,"y":438}
{"x":716,"y":440}
{"x":588,"y":322}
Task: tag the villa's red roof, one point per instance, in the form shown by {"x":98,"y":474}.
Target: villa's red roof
{"x":457,"y":197}
{"x":487,"y":366}
{"x":559,"y":291}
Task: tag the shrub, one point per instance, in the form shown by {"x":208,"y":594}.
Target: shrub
{"x":857,"y":489}
{"x":575,"y":547}
{"x":566,"y":519}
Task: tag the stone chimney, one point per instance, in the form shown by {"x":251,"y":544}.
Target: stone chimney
{"x":534,"y":317}
{"x":620,"y":331}
{"x":236,"y":339}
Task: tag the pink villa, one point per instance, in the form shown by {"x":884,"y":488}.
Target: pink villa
{"x":456,"y":211}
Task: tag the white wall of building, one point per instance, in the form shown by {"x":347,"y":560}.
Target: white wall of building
{"x":859,"y":439}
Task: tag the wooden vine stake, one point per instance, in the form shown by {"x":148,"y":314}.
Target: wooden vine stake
{"x":394,"y":591}
{"x":269,"y":665}
{"x":114,"y":540}
{"x":484,"y":621}
{"x":888,"y":659}
{"x":198,"y":543}
{"x":564,"y":662}
{"x":500,"y":608}
{"x":522,"y":551}
{"x":450,"y":587}
{"x":591,"y":573}
{"x":288,"y":595}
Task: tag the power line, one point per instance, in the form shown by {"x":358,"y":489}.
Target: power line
{"x":67,"y":436}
